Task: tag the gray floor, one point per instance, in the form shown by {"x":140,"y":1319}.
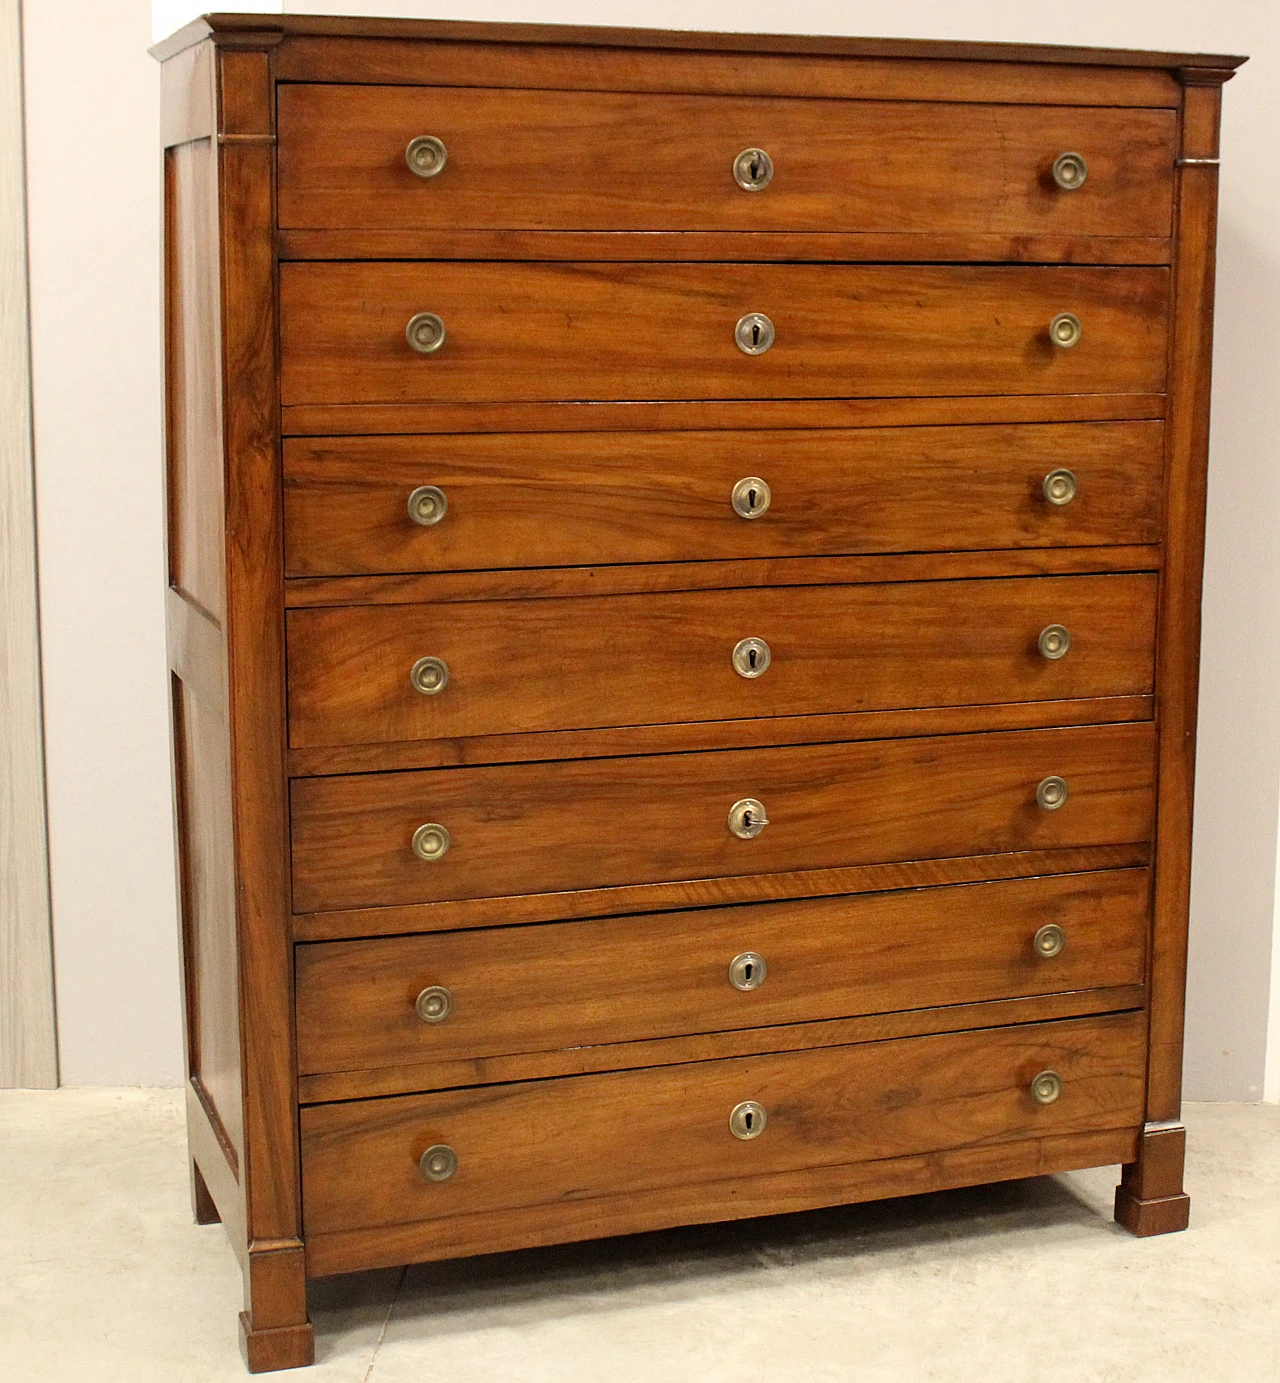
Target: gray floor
{"x":103,"y":1277}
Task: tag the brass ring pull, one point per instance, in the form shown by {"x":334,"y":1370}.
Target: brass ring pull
{"x":429,"y":676}
{"x":426,"y":156}
{"x":753,"y":170}
{"x":747,"y":1120}
{"x":1070,"y":171}
{"x":425,"y":332}
{"x":751,"y":497}
{"x":747,"y":971}
{"x":747,"y":818}
{"x":438,"y":1163}
{"x":1049,"y":941}
{"x":434,"y":1004}
{"x":1065,"y":330}
{"x":1051,"y":793}
{"x":754,"y":333}
{"x":1054,"y":642}
{"x":427,"y":505}
{"x":1060,"y":486}
{"x":431,"y":841}
{"x":1046,"y":1087}
{"x":751,"y":658}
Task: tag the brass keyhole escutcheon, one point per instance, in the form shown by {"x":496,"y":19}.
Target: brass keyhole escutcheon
{"x":747,"y":1120}
{"x":753,"y":170}
{"x":1046,"y":1087}
{"x":1049,"y":941}
{"x":1070,"y":171}
{"x":1051,"y":793}
{"x":1054,"y":642}
{"x":747,"y":971}
{"x":434,"y":1004}
{"x":751,"y":658}
{"x":431,"y":841}
{"x":438,"y":1163}
{"x":754,"y":333}
{"x":1060,"y":486}
{"x":747,"y":818}
{"x":426,"y":155}
{"x":750,"y":497}
{"x":425,"y":332}
{"x":1065,"y":330}
{"x":427,"y":505}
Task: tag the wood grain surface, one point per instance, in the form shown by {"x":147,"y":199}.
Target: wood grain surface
{"x":529,"y":332}
{"x":617,"y":160}
{"x":536,"y":828}
{"x":617,"y":980}
{"x":526,"y":500}
{"x":539,"y":1144}
{"x":545,"y":665}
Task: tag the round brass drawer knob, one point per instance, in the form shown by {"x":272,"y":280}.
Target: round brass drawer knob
{"x":427,"y":505}
{"x":430,"y":676}
{"x":747,"y":818}
{"x":754,"y":333}
{"x":1046,"y":1087}
{"x":747,"y":1120}
{"x":751,"y":497}
{"x":434,"y":1004}
{"x":426,"y":155}
{"x":431,"y":841}
{"x":1049,"y":941}
{"x":1065,"y":330}
{"x":1070,"y":171}
{"x":751,"y":658}
{"x":1060,"y":486}
{"x":753,"y":170}
{"x":1054,"y":642}
{"x":425,"y":332}
{"x":1051,"y":793}
{"x":438,"y":1163}
{"x":747,"y":971}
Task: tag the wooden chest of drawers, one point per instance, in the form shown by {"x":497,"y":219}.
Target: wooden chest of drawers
{"x":684,"y":576}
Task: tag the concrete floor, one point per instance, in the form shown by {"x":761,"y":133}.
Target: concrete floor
{"x":104,"y":1277}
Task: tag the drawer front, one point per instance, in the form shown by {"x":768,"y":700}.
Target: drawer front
{"x":577,"y":984}
{"x":579,"y":160}
{"x":575,"y":499}
{"x":550,"y":1142}
{"x":546,"y":827}
{"x":530,"y":332}
{"x":530,"y":665}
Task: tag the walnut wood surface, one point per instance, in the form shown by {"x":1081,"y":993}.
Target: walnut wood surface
{"x":580,"y":160}
{"x":542,"y":665}
{"x":536,"y":828}
{"x":529,"y":500}
{"x":1150,"y":1199}
{"x":666,"y":331}
{"x":429,"y":416}
{"x":576,"y":984}
{"x":267,"y":30}
{"x":637,"y":1133}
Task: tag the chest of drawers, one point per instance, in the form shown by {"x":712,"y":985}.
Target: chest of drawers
{"x":684,"y":561}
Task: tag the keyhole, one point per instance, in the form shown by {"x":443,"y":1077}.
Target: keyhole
{"x":753,"y":657}
{"x":748,"y":819}
{"x":749,"y":972}
{"x":751,"y":499}
{"x":749,"y":1120}
{"x":755,"y":333}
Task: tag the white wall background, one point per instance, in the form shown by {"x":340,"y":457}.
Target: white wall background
{"x":94,"y":171}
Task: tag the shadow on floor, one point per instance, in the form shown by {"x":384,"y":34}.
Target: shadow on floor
{"x":676,"y":1264}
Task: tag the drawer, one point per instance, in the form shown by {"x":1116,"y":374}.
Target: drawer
{"x":545,"y":827}
{"x":623,"y":979}
{"x":554,"y":1144}
{"x":577,"y":499}
{"x":590,"y":662}
{"x":589,"y":160}
{"x":530,"y":332}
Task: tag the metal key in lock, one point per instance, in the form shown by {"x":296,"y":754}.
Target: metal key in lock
{"x":747,"y":818}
